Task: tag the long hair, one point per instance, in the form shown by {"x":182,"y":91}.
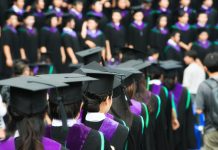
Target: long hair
{"x":30,"y":129}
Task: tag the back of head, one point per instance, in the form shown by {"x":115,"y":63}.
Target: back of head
{"x":211,"y":62}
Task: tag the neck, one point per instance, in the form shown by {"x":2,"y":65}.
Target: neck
{"x":215,"y":74}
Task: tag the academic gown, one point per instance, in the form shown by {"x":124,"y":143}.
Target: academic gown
{"x":185,"y":32}
{"x":117,"y":139}
{"x":126,"y":17}
{"x":208,"y":28}
{"x":202,"y":49}
{"x":173,"y":53}
{"x":29,"y":42}
{"x":158,"y":40}
{"x":158,"y":12}
{"x":10,"y":37}
{"x":212,"y":15}
{"x":162,"y":134}
{"x":138,"y":36}
{"x":88,"y":137}
{"x":39,"y":19}
{"x":70,"y":40}
{"x":135,"y":124}
{"x":183,"y":137}
{"x":102,"y":18}
{"x":78,"y":19}
{"x":191,"y":12}
{"x":51,"y":39}
{"x":116,"y":36}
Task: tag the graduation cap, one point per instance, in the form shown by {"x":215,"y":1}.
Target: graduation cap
{"x":90,"y":55}
{"x":92,"y":16}
{"x":74,"y":67}
{"x":10,"y":13}
{"x":28,"y":94}
{"x":171,"y":69}
{"x":67,"y":17}
{"x":27,"y":14}
{"x":42,"y":68}
{"x":103,"y":85}
{"x":136,"y":64}
{"x":137,"y":9}
{"x":130,"y":54}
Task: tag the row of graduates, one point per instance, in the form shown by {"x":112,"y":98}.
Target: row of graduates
{"x":118,"y":110}
{"x":61,"y":47}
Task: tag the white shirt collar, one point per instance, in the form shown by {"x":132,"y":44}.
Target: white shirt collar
{"x":95,"y":117}
{"x":57,"y":9}
{"x":58,"y":123}
{"x":16,"y":134}
{"x":156,"y":82}
{"x":171,"y":42}
{"x":67,"y":29}
{"x":16,"y":9}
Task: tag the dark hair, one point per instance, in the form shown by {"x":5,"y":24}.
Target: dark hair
{"x":173,"y":34}
{"x":211,"y":62}
{"x":71,"y":110}
{"x":66,"y":21}
{"x":193,"y":54}
{"x":77,"y":2}
{"x":159,"y":18}
{"x":181,"y":13}
{"x":19,"y":67}
{"x":131,"y":90}
{"x":170,"y":79}
{"x":92,"y":102}
{"x":30,"y":128}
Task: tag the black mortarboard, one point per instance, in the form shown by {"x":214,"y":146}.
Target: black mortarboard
{"x":90,"y":55}
{"x":136,"y":64}
{"x":28,"y":94}
{"x":74,"y":67}
{"x":105,"y":82}
{"x":130,"y":54}
{"x":137,"y":9}
{"x":27,"y":14}
{"x":9,"y":13}
{"x":171,"y":69}
{"x":92,"y":16}
{"x":67,"y":17}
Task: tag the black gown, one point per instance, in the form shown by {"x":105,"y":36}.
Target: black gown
{"x":10,"y":37}
{"x":118,"y":139}
{"x":78,"y":19}
{"x":173,"y":53}
{"x":102,"y":18}
{"x":29,"y":42}
{"x":51,"y":39}
{"x":212,"y":15}
{"x":138,"y":36}
{"x":93,"y":137}
{"x":158,"y":40}
{"x":183,"y":137}
{"x":158,"y":12}
{"x":208,"y":28}
{"x":116,"y":36}
{"x":202,"y":49}
{"x":39,"y":19}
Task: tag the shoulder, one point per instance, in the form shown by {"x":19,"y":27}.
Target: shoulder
{"x":50,"y":144}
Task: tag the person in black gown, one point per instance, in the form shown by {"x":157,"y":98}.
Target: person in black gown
{"x":38,"y":11}
{"x":18,"y":8}
{"x":203,"y":45}
{"x":115,"y":36}
{"x":97,"y":102}
{"x":50,"y":42}
{"x":72,"y":100}
{"x":29,"y":50}
{"x":25,"y":129}
{"x":183,"y":137}
{"x":70,"y":40}
{"x":159,"y":35}
{"x":10,"y":44}
{"x":125,"y":12}
{"x":138,"y":32}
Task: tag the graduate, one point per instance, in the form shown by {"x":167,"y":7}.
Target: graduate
{"x":183,"y":27}
{"x":207,"y":7}
{"x":92,"y":35}
{"x":201,"y":23}
{"x":71,"y":101}
{"x":97,"y":102}
{"x":10,"y":44}
{"x":163,"y":9}
{"x":70,"y":40}
{"x":159,"y":35}
{"x":77,"y":12}
{"x":97,"y":11}
{"x":183,"y":137}
{"x":115,"y":36}
{"x":147,"y":10}
{"x":18,"y":8}
{"x":56,"y":7}
{"x":29,"y":50}
{"x":134,"y":114}
{"x":50,"y":42}
{"x":185,"y":6}
{"x":122,"y":5}
{"x":25,"y":129}
{"x":138,"y":32}
{"x":173,"y":51}
{"x":203,"y":45}
{"x":38,"y":11}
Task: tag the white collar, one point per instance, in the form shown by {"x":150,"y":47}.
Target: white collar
{"x":171,"y":42}
{"x":57,"y":9}
{"x":155,"y":81}
{"x":138,"y":23}
{"x":66,"y":29}
{"x":95,"y":117}
{"x":205,"y":7}
{"x":16,"y":9}
{"x":201,"y":24}
{"x":75,"y":11}
{"x":58,"y":123}
{"x":16,"y":134}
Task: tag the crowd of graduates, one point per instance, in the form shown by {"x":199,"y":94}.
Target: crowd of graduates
{"x":103,"y":74}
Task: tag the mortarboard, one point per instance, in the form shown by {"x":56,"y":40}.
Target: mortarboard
{"x":130,"y":54}
{"x":28,"y":94}
{"x":171,"y":68}
{"x":74,"y":67}
{"x":90,"y":55}
{"x":27,"y":14}
{"x":104,"y":82}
